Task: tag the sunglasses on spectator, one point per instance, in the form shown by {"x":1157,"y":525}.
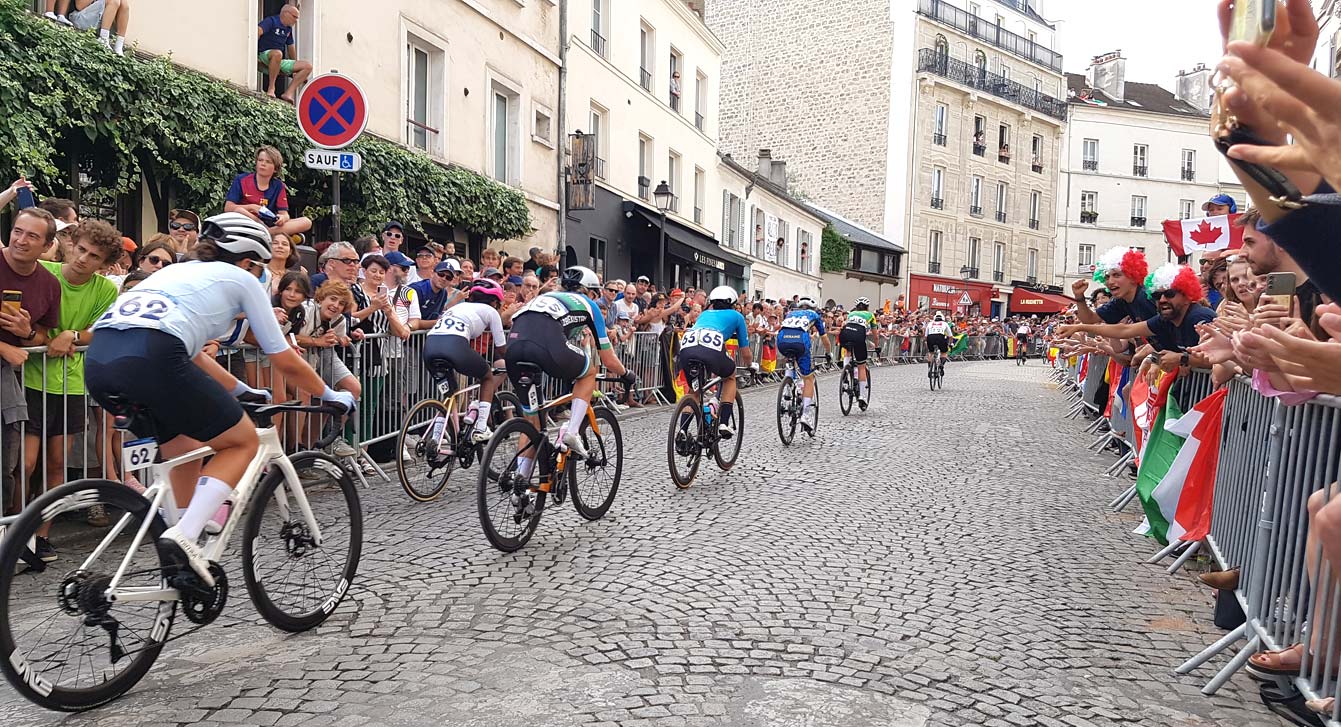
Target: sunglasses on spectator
{"x":448,"y":275}
{"x":346,"y":260}
{"x":159,"y":260}
{"x":1166,"y":294}
{"x":188,"y":226}
{"x":613,"y":290}
{"x":391,"y":234}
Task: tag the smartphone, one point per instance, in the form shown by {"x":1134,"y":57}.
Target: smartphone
{"x":1253,"y":21}
{"x":26,"y":199}
{"x":381,"y":290}
{"x":11,"y":301}
{"x":1279,"y":288}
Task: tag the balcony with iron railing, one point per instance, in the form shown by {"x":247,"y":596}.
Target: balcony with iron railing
{"x":644,"y":187}
{"x":1189,"y":174}
{"x":698,"y":121}
{"x":968,"y":271}
{"x":998,"y":276}
{"x":598,"y":168}
{"x":1033,"y":224}
{"x":674,"y":100}
{"x":1137,"y":221}
{"x":975,"y":210}
{"x":932,"y":61}
{"x":938,"y":139}
{"x":1138,"y":170}
{"x":1003,"y":155}
{"x":979,"y":149}
{"x":598,"y":43}
{"x":966,"y":22}
{"x":1088,"y":217}
{"x":938,"y":203}
{"x":698,"y":215}
{"x":645,"y":79}
{"x":1037,"y":166}
{"x":1090,"y":165}
{"x":1001,"y":216}
{"x":934,"y":267}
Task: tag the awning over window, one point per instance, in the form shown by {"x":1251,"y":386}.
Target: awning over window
{"x":1028,"y":301}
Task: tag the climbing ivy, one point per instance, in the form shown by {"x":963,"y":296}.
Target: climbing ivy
{"x":67,"y":103}
{"x":835,"y":251}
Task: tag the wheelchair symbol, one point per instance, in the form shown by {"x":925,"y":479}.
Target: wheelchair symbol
{"x":346,"y":161}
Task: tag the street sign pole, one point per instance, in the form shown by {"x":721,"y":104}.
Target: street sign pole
{"x":335,"y":206}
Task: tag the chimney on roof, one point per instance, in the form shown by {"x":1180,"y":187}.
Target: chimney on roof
{"x":1108,"y":73}
{"x":1194,"y":88}
{"x":774,"y":170}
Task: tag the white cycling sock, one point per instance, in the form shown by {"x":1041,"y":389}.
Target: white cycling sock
{"x":865,"y":389}
{"x":482,"y":416}
{"x":209,"y":496}
{"x":524,"y":466}
{"x":579,"y":413}
{"x":805,"y":402}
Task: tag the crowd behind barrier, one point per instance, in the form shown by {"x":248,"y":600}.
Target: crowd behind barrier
{"x":1260,"y":510}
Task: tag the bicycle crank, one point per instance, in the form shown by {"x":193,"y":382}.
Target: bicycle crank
{"x":200,"y":603}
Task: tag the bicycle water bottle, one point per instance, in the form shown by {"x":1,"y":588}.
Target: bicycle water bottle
{"x":439,"y":424}
{"x":710,"y":409}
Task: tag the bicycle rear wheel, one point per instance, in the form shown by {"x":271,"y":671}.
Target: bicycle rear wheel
{"x":295,"y":581}
{"x":787,"y":410}
{"x":726,"y":458}
{"x":510,"y":504}
{"x":63,"y":645}
{"x":846,"y":390}
{"x":682,"y":445}
{"x":424,"y":474}
{"x":595,"y":480}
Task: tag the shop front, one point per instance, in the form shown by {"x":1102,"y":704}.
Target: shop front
{"x":1028,"y":302}
{"x":692,"y":258}
{"x":949,"y":295}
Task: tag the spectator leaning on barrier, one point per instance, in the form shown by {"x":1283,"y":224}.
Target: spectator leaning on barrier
{"x":325,"y":326}
{"x":23,"y":322}
{"x":275,"y":52}
{"x":54,"y":388}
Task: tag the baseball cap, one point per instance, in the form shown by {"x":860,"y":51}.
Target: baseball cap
{"x":127,"y":244}
{"x":643,"y":279}
{"x":676,"y":292}
{"x":185,"y":214}
{"x":447,"y":266}
{"x":425,"y":250}
{"x":393,"y":224}
{"x":491,"y":271}
{"x":62,"y":224}
{"x":1221,"y":199}
{"x":396,"y":257}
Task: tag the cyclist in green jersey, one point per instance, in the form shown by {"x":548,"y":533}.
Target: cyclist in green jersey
{"x":860,"y":323}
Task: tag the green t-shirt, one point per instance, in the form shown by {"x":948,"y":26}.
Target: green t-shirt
{"x":81,"y":305}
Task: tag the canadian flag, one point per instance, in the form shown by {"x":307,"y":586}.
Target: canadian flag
{"x":1203,"y":235}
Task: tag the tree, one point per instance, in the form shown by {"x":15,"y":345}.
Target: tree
{"x":835,"y":251}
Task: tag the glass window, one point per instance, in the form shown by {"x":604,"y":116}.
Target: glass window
{"x":934,"y":249}
{"x":1086,"y":258}
{"x":1089,"y":150}
{"x":973,"y":245}
{"x":1185,"y":209}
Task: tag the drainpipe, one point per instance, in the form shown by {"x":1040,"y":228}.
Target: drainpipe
{"x":562,"y":138}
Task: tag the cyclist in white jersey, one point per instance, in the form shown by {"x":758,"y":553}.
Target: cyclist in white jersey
{"x":449,"y":342}
{"x":938,"y":333}
{"x":146,"y":353}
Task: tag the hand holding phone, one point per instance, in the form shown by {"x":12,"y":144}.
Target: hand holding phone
{"x":1253,"y":21}
{"x":1280,"y":289}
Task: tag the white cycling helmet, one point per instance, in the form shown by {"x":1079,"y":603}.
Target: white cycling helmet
{"x":238,"y":234}
{"x":579,"y":277}
{"x":862,"y":301}
{"x":940,"y":316}
{"x":806,"y":303}
{"x":723,"y":292}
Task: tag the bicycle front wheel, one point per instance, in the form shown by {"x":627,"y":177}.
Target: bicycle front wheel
{"x":596,"y":478}
{"x":788,"y":410}
{"x":63,"y":644}
{"x":423,"y":470}
{"x":295,"y":578}
{"x":509,"y":502}
{"x":726,"y":452}
{"x":682,"y":445}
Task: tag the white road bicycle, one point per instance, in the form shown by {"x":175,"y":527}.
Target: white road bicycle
{"x":74,"y":639}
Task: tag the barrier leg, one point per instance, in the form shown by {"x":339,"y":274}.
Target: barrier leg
{"x":1168,"y":550}
{"x":1123,"y":500}
{"x":1187,"y":554}
{"x":1219,"y":646}
{"x":1121,"y":464}
{"x":1102,"y":441}
{"x":1224,"y":675}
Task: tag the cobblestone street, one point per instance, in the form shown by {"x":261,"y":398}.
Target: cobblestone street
{"x":942,"y":559}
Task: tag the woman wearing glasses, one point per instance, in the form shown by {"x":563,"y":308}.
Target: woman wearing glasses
{"x":157,"y":254}
{"x":183,"y":228}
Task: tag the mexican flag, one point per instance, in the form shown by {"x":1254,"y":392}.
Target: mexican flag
{"x":1203,"y":235}
{"x":1185,"y":493}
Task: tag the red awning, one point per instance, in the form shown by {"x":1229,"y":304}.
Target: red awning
{"x":1028,"y":301}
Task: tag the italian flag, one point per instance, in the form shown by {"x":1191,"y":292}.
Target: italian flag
{"x":1184,"y":495}
{"x":1157,"y":457}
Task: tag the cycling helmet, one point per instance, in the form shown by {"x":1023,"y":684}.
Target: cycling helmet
{"x":723,"y":292}
{"x":940,"y":316}
{"x":484,"y":289}
{"x":237,"y":233}
{"x":579,"y":277}
{"x":862,"y":302}
{"x":806,"y":303}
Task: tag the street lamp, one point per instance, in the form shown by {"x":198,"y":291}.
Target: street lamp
{"x":966,"y":272}
{"x":664,"y":199}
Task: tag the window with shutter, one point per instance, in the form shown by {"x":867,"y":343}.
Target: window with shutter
{"x":726,"y":217}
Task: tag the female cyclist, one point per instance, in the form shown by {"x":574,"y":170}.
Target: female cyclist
{"x":449,"y":342}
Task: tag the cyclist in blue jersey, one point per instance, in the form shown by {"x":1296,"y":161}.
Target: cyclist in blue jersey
{"x":794,"y":342}
{"x":147,"y":353}
{"x":705,"y":344}
{"x":549,"y":333}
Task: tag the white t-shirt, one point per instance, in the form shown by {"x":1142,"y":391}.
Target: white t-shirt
{"x":470,"y":321}
{"x":197,"y":302}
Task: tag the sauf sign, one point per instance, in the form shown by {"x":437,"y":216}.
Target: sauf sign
{"x":332,"y":161}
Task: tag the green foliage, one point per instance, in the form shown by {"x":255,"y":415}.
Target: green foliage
{"x":835,"y":251}
{"x":66,"y":101}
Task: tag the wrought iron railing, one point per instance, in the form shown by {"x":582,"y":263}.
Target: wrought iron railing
{"x":979,"y":28}
{"x":598,"y":43}
{"x":1090,"y":165}
{"x":933,"y":61}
